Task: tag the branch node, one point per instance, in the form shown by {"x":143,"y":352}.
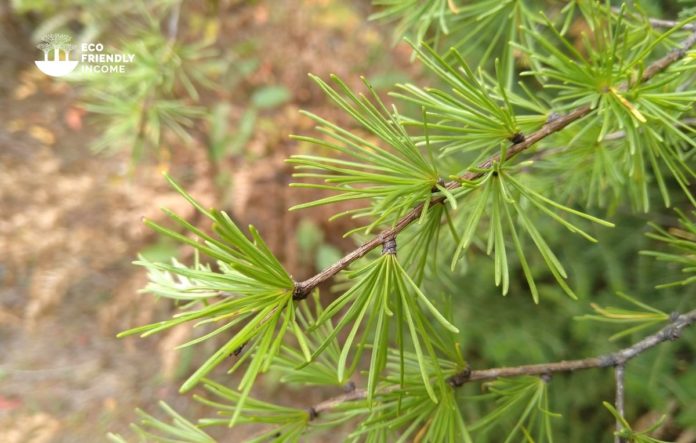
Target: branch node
{"x":517,"y":137}
{"x":553,"y":117}
{"x":300,"y":292}
{"x":546,"y":377}
{"x":672,"y":332}
{"x":459,"y":378}
{"x":313,"y":413}
{"x":389,"y":246}
{"x":440,"y":182}
{"x":349,"y":387}
{"x":606,"y":361}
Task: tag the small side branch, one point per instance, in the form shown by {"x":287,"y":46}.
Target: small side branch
{"x":389,"y":246}
{"x":619,"y":401}
{"x":327,"y":405}
{"x":616,"y":359}
{"x":659,"y":23}
{"x":675,"y":55}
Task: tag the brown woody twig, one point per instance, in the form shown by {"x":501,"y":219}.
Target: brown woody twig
{"x":303,"y":288}
{"x":616,"y":359}
{"x":619,"y":401}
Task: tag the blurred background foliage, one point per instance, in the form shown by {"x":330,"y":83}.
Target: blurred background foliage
{"x":213,"y":93}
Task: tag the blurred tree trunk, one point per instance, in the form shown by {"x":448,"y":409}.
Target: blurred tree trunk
{"x":16,"y":49}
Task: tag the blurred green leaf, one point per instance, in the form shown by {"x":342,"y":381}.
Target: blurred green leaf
{"x":162,"y":250}
{"x":245,"y":130}
{"x":270,"y":96}
{"x":309,"y":236}
{"x":327,"y":255}
{"x":219,"y":136}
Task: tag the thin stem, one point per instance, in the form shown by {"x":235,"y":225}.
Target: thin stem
{"x":616,"y":359}
{"x":304,"y":288}
{"x":659,"y":23}
{"x":619,"y":401}
{"x":674,"y":55}
{"x":327,"y":405}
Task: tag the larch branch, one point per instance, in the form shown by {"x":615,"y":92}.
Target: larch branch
{"x":616,"y":359}
{"x":303,"y":288}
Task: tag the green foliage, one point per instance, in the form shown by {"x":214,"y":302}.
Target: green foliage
{"x":596,"y":178}
{"x":146,"y":104}
{"x":403,"y":410}
{"x":157,"y":98}
{"x":422,"y":247}
{"x":629,"y":434}
{"x":287,"y":424}
{"x":220,"y":141}
{"x":681,"y":240}
{"x":320,"y":370}
{"x":526,"y":399}
{"x":488,"y":30}
{"x":251,"y":291}
{"x":270,"y":97}
{"x":480,"y":30}
{"x":501,"y":197}
{"x":418,"y":418}
{"x":474,"y":113}
{"x":406,"y":325}
{"x":414,"y":16}
{"x":646,"y":317}
{"x":393,"y":180}
{"x":385,"y":298}
{"x":151,"y":429}
{"x":606,"y":74}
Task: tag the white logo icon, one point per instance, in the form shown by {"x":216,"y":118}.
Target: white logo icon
{"x":52,"y":45}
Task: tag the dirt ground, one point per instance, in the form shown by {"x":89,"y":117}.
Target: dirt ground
{"x":70,"y":221}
